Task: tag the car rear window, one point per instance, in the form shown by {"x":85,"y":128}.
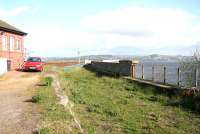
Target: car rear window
{"x":34,"y":59}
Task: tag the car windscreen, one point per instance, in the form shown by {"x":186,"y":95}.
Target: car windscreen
{"x":34,"y":59}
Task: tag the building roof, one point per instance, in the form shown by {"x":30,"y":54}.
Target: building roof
{"x":9,"y":28}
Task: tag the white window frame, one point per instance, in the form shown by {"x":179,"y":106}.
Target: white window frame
{"x":4,"y":43}
{"x":18,"y":45}
{"x":12,"y":43}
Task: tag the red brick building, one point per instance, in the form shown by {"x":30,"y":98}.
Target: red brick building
{"x":12,"y":44}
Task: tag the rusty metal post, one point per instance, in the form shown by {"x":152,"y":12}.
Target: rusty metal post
{"x":164,"y":75}
{"x":153,"y":73}
{"x":132,"y":70}
{"x":178,"y":77}
{"x":142,"y":71}
{"x":197,"y":75}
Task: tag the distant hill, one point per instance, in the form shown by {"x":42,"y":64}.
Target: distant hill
{"x":163,"y":58}
{"x":148,"y":58}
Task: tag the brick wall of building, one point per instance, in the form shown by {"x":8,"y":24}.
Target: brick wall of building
{"x":16,"y":56}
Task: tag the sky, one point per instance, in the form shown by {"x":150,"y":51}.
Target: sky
{"x":61,"y":28}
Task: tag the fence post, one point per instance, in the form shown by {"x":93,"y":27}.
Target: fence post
{"x":178,"y":77}
{"x":164,"y":75}
{"x":197,"y":75}
{"x":153,"y":73}
{"x":142,"y":71}
{"x":133,"y":70}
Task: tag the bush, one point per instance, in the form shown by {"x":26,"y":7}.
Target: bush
{"x":188,"y":99}
{"x":191,"y":102}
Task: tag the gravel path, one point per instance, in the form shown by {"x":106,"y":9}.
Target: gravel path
{"x":17,"y":116}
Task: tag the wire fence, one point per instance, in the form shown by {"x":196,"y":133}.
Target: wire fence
{"x":169,"y":73}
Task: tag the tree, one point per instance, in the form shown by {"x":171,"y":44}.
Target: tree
{"x":190,"y":69}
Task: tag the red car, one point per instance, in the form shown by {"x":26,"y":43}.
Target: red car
{"x":33,"y":64}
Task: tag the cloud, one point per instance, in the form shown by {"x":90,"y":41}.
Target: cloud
{"x":132,"y":30}
{"x":54,"y":40}
{"x":149,"y":28}
{"x":140,"y":19}
{"x":13,"y":12}
{"x":138,"y":33}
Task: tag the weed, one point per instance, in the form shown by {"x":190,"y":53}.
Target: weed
{"x":48,"y":80}
{"x":94,"y":108}
{"x":44,"y":131}
{"x":91,"y":130}
{"x":36,"y":99}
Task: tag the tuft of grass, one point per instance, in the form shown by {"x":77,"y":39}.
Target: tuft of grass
{"x":36,"y":99}
{"x":43,"y":131}
{"x":91,"y":130}
{"x":48,"y":81}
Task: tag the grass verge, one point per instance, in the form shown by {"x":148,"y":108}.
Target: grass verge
{"x":55,"y":118}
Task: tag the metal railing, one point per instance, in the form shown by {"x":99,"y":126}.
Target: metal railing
{"x":169,"y":73}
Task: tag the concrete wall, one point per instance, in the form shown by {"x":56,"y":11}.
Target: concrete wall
{"x":3,"y":65}
{"x":112,"y":61}
{"x":87,"y":61}
{"x":123,"y":68}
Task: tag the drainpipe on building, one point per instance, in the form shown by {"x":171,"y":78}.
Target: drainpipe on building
{"x":8,"y":51}
{"x":1,"y":32}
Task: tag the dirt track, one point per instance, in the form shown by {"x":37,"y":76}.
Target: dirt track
{"x":16,"y":115}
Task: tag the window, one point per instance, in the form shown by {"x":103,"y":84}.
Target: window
{"x":18,"y":45}
{"x":34,"y":59}
{"x":4,"y":42}
{"x":12,"y":43}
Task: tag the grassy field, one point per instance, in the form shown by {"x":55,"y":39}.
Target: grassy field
{"x":110,"y":105}
{"x":106,"y":105}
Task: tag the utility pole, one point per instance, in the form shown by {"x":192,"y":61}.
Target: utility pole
{"x":79,"y":58}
